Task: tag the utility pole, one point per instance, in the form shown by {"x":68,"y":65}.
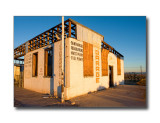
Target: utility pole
{"x":62,"y":83}
{"x":141,"y":71}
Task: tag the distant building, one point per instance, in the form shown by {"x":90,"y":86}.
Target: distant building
{"x":18,"y":74}
{"x":90,"y":63}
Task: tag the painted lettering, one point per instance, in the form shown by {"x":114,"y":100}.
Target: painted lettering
{"x":76,"y":51}
{"x":97,"y":66}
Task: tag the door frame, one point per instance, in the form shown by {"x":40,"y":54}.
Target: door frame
{"x":111,"y":78}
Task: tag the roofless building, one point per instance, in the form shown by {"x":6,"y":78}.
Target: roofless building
{"x":90,"y":64}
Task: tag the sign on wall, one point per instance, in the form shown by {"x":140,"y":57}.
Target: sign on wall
{"x":97,"y":66}
{"x":76,"y":51}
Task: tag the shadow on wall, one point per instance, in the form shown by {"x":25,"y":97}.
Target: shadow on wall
{"x":98,"y":89}
{"x":121,"y":82}
{"x":103,"y":87}
{"x":51,"y":86}
{"x":58,"y":92}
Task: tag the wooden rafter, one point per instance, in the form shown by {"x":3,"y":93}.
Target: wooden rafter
{"x":110,"y":48}
{"x":49,"y":37}
{"x":46,"y":38}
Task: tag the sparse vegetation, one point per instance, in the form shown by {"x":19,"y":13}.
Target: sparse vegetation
{"x":135,"y":78}
{"x":142,"y":82}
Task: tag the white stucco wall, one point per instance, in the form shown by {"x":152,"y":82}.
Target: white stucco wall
{"x":75,"y":82}
{"x":78,"y":84}
{"x":41,"y":83}
{"x":112,"y":60}
{"x":85,"y":34}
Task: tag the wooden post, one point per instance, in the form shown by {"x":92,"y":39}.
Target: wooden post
{"x":62,"y":84}
{"x":69,"y":29}
{"x":48,"y":38}
{"x":37,"y":44}
{"x":44,"y":40}
{"x":34,"y":44}
{"x":52,"y":36}
{"x":28,"y":46}
{"x":31,"y":45}
{"x":20,"y":50}
{"x":40,"y":41}
{"x":58,"y":30}
{"x":24,"y":49}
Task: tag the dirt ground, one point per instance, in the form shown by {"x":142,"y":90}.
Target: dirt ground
{"x":131,"y":96}
{"x":27,"y":98}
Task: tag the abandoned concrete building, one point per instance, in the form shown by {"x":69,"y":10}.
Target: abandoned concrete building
{"x":90,"y":64}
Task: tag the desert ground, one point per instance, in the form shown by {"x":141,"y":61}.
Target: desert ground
{"x":133,"y":96}
{"x":122,"y":96}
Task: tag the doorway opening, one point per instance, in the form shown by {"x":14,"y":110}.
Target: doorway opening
{"x":111,"y":76}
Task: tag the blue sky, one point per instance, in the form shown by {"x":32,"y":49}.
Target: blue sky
{"x":127,"y":34}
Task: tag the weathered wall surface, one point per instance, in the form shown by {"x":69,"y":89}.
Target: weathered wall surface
{"x":38,"y":83}
{"x":77,"y":84}
{"x":85,"y":34}
{"x":57,"y":68}
{"x":41,"y":83}
{"x":112,"y":61}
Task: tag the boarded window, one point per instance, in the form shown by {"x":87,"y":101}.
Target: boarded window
{"x":118,"y":65}
{"x":104,"y":57}
{"x":35,"y":65}
{"x":48,"y":62}
{"x":87,"y":59}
